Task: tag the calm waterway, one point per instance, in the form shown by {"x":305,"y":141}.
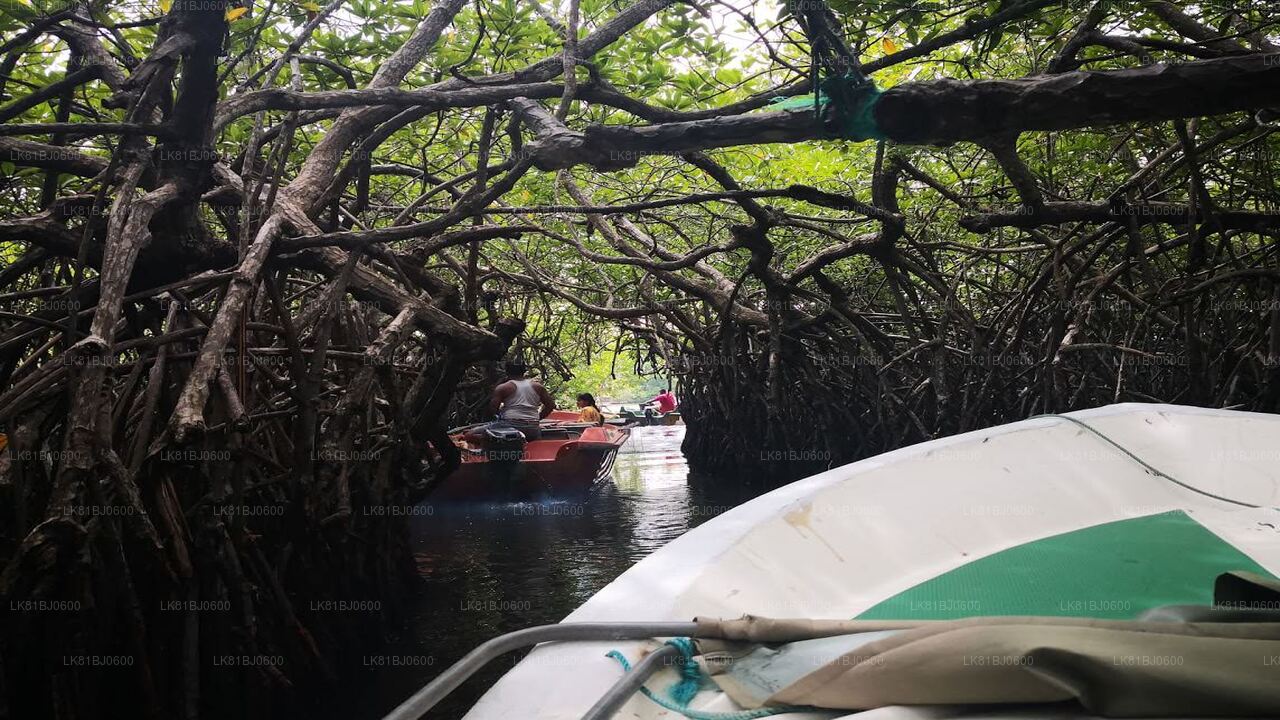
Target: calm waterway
{"x":492,"y":568}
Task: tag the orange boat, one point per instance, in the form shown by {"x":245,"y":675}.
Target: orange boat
{"x":569,"y":459}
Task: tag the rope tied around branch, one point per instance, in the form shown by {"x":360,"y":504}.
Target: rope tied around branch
{"x":844,"y":106}
{"x":844,"y":101}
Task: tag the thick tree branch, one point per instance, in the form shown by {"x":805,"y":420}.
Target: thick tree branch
{"x":947,"y":111}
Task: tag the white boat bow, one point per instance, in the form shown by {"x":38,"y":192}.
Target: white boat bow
{"x":838,"y":544}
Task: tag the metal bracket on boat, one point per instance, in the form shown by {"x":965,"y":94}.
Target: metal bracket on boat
{"x":435,"y":691}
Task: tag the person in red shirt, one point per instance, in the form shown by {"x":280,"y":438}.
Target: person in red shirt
{"x":665,"y":401}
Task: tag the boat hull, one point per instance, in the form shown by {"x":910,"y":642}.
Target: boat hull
{"x":645,"y":420}
{"x":555,"y":467}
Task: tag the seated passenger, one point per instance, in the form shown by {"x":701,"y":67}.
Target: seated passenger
{"x":590,"y":411}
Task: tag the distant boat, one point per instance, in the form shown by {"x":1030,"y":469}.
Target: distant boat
{"x":570,"y":458}
{"x":645,"y":418}
{"x":1101,"y":516}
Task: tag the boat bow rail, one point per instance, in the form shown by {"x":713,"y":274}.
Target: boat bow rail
{"x":926,"y":662}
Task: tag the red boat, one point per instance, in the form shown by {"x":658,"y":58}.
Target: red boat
{"x":569,"y":459}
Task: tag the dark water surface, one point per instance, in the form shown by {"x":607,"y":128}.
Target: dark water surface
{"x":492,"y":568}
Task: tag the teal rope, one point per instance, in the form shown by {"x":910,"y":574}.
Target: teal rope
{"x":853,"y":101}
{"x":849,"y":103}
{"x":691,"y":681}
{"x":1148,"y":466}
{"x":844,"y":102}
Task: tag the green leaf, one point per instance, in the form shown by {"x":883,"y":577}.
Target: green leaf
{"x":19,"y":10}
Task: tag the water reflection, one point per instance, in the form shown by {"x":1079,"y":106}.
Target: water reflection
{"x":490,"y":568}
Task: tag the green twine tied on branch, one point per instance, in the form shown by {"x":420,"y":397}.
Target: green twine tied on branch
{"x":844,"y":105}
{"x":843,"y":102}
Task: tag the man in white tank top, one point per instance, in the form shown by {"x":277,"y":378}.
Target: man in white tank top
{"x":521,"y":401}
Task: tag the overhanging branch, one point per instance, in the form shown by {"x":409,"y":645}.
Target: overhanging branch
{"x":942,"y":112}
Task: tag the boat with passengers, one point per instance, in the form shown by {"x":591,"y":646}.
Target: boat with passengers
{"x":570,"y":458}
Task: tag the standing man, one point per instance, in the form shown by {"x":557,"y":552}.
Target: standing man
{"x":522,"y":402}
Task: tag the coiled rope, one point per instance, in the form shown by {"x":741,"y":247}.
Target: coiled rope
{"x":691,"y":681}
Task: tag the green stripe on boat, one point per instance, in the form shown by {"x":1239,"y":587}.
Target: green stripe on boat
{"x":1116,"y":570}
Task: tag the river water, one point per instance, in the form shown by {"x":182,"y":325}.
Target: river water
{"x":491,"y":568}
